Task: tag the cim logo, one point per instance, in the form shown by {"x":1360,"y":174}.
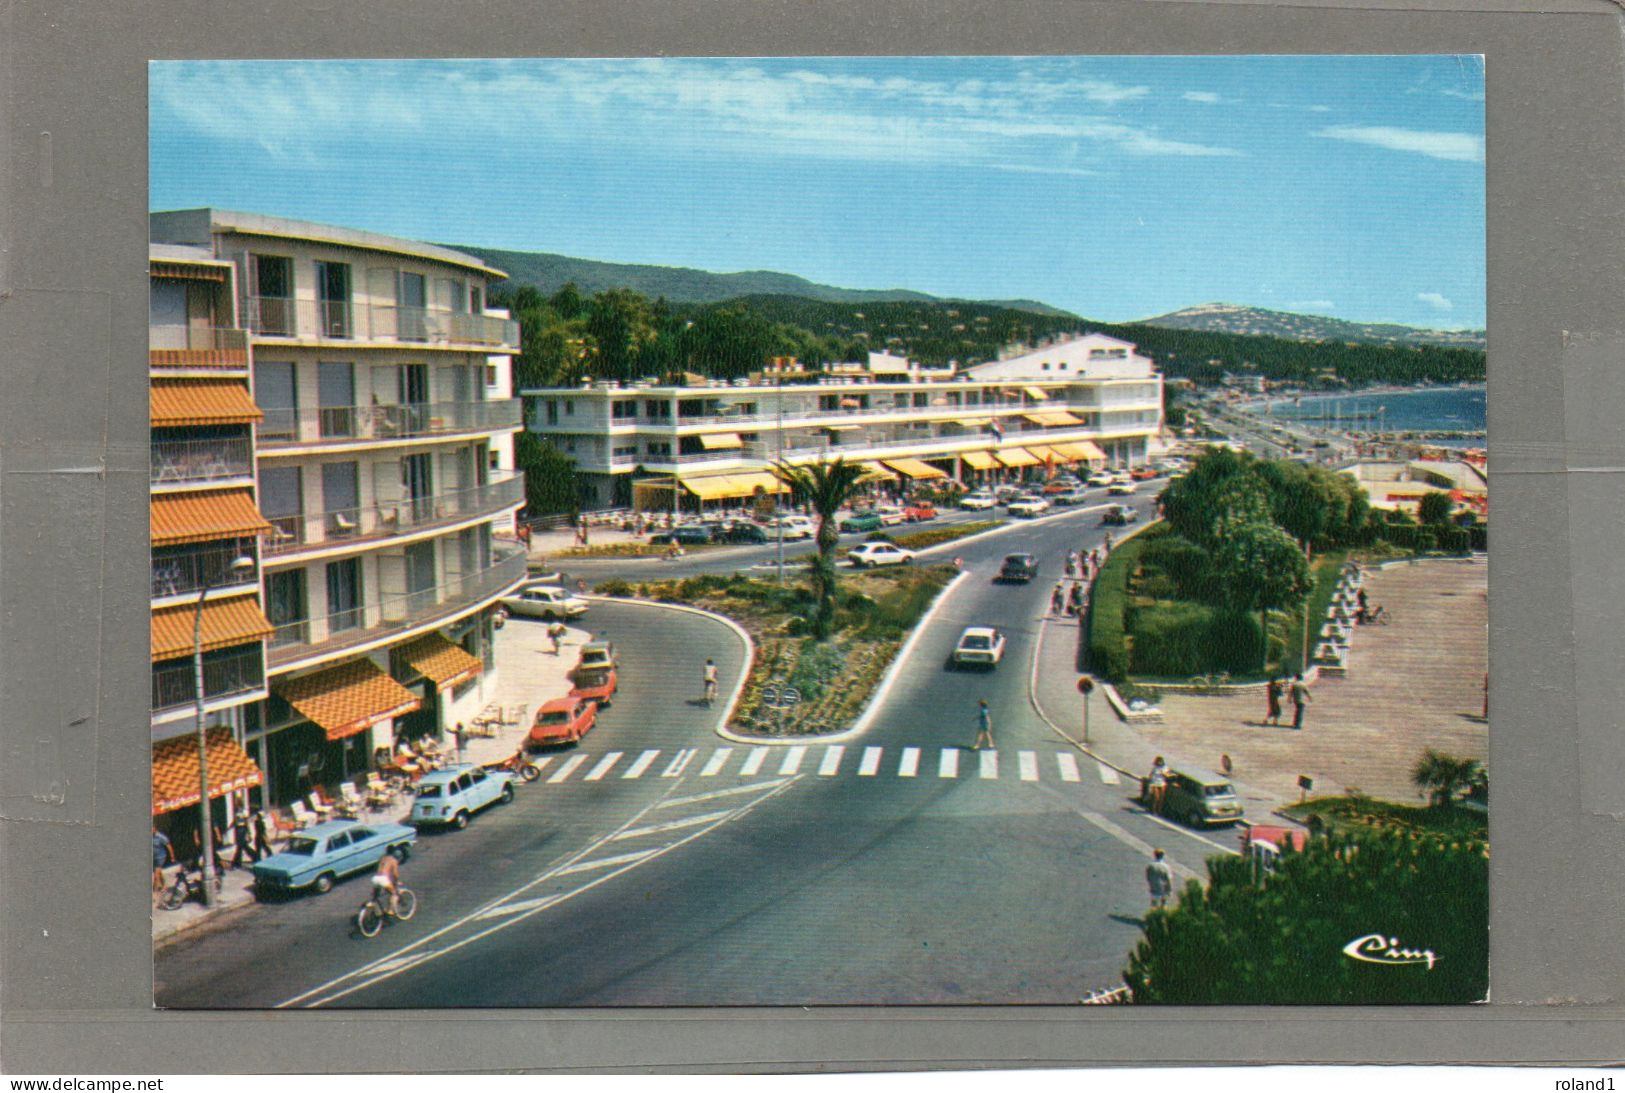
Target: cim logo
{"x":1378,"y":949}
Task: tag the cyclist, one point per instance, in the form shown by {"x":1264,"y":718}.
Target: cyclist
{"x":388,"y":879}
{"x":710,"y":681}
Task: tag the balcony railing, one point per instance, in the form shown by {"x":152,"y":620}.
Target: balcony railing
{"x":200,"y":460}
{"x":382,"y":520}
{"x":393,"y":614}
{"x":349,"y":321}
{"x":196,"y":339}
{"x":313,"y":425}
{"x":175,"y":684}
{"x":1011,"y":437}
{"x":177,"y":575}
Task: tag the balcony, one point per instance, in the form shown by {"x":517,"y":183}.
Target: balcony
{"x":349,"y":322}
{"x":180,"y":571}
{"x":174,"y":685}
{"x":204,"y":347}
{"x":180,"y":461}
{"x":283,"y":427}
{"x":385,"y":520}
{"x":377,"y":620}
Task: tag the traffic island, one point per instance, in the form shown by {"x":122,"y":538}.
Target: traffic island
{"x":797,"y":686}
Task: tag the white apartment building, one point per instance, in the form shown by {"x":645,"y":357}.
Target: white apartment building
{"x":1089,"y":399}
{"x":380,"y":465}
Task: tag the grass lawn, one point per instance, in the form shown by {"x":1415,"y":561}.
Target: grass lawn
{"x":925,"y":537}
{"x":1354,"y":813}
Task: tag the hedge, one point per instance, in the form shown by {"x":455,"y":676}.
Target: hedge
{"x":1108,"y":639}
{"x":926,"y":537}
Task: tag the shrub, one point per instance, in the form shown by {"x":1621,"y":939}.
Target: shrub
{"x":1187,"y":566}
{"x":1168,"y":640}
{"x":616,"y":586}
{"x":1453,"y":540}
{"x":1234,"y":642}
{"x":1108,"y":634}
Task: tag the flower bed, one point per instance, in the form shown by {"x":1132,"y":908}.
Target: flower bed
{"x":834,"y":679}
{"x":928,"y":537}
{"x":626,"y":550}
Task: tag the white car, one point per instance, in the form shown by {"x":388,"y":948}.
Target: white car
{"x":544,"y":602}
{"x":978,"y":501}
{"x":794,"y":527}
{"x":1120,"y":489}
{"x":1122,"y":478}
{"x":979,"y":646}
{"x":873,"y":554}
{"x":890,"y":515}
{"x":1102,"y":478}
{"x":1028,"y":505}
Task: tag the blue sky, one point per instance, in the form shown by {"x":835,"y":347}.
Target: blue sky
{"x":1114,"y":187}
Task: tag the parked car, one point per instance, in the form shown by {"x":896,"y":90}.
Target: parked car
{"x":920,"y":510}
{"x":1018,"y":567}
{"x":1071,"y":497}
{"x":1028,"y":505}
{"x":685,"y":535}
{"x":1121,"y":478}
{"x":1101,"y":478}
{"x":1003,"y":493}
{"x":563,"y":720}
{"x":795,"y":527}
{"x":544,"y":601}
{"x":979,"y":501}
{"x":1120,"y":514}
{"x":1120,"y":489}
{"x":1198,"y":798}
{"x":596,"y":675}
{"x":873,"y":554}
{"x":452,"y":794}
{"x":1143,"y":474}
{"x":318,"y":856}
{"x":890,"y":515}
{"x":861,"y":521}
{"x":743,"y":532}
{"x":1057,"y":486}
{"x":978,"y":646}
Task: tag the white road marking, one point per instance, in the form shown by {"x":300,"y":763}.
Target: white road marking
{"x":603,"y":766}
{"x":604,"y":863}
{"x":948,"y":764}
{"x":1108,"y":774}
{"x":1067,"y":764}
{"x":1027,"y":761}
{"x":1181,"y":871}
{"x":541,"y":764}
{"x":990,"y":764}
{"x":871,"y":761}
{"x":832,"y":759}
{"x":792,"y":759}
{"x":568,"y":768}
{"x":910,"y":763}
{"x":754,"y":787}
{"x":716,"y":762}
{"x":754,"y":761}
{"x":678,"y":762}
{"x":1171,"y":826}
{"x":514,"y":908}
{"x":670,"y":825}
{"x":641,"y":764}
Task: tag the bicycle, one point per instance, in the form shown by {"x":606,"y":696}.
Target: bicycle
{"x":187,"y":885}
{"x":374,"y":913}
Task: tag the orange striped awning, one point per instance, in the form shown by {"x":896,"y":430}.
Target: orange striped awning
{"x":176,"y":401}
{"x":440,"y":660}
{"x":175,"y":775}
{"x":348,"y":699}
{"x":204,"y":515}
{"x":226,"y":622}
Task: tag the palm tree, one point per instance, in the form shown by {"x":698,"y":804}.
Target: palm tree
{"x":1443,"y":777}
{"x":827,"y":487}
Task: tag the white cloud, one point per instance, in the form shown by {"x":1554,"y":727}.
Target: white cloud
{"x":1434,"y":299}
{"x":1207,"y":98}
{"x":1311,"y":305}
{"x":1452,"y":146}
{"x":1470,"y":96}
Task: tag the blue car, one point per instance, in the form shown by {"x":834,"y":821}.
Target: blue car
{"x":451,"y":795}
{"x":317,"y":856}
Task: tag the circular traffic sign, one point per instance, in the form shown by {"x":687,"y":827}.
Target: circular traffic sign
{"x":1085,"y":685}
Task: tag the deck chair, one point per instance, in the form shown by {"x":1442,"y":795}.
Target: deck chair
{"x":349,"y":801}
{"x":302,"y":816}
{"x":321,"y":808}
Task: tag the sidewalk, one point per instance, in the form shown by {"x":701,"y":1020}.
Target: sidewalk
{"x":527,"y":674}
{"x":1412,"y":685}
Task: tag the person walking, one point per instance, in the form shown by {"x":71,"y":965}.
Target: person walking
{"x":1156,"y":785}
{"x":1071,"y":563}
{"x":1076,"y":605}
{"x":984,"y":726}
{"x":1159,"y":878}
{"x":710,"y":681}
{"x":1300,"y":700}
{"x":1057,"y":599}
{"x":163,"y":853}
{"x":262,"y":833}
{"x":457,"y":734}
{"x":243,"y":829}
{"x":1273,"y":694}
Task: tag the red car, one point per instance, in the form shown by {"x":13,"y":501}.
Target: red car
{"x":563,"y":720}
{"x":920,"y":510}
{"x":1264,"y":842}
{"x":1142,"y":474}
{"x":1057,"y":486}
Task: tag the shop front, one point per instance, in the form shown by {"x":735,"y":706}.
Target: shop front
{"x":339,"y":716}
{"x":177,"y":785}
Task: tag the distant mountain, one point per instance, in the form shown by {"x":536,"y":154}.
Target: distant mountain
{"x":1235,"y":319}
{"x":681,"y":285}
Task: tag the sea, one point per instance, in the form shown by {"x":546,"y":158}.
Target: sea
{"x":1423,"y":410}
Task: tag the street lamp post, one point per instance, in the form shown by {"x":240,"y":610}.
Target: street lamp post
{"x":238,"y":567}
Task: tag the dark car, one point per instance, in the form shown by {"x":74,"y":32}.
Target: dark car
{"x":745,"y":533}
{"x":683,"y":536}
{"x":1120,"y":515}
{"x":1018,"y":567}
{"x":861,"y":521}
{"x":1198,"y":798}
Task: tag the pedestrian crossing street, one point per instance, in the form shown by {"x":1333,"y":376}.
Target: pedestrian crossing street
{"x":826,"y":761}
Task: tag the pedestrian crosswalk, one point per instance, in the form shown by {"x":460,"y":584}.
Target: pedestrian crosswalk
{"x":1029,"y":765}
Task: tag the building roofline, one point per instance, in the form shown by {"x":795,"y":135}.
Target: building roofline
{"x":276,"y":227}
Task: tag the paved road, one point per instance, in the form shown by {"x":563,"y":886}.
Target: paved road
{"x":660,"y":865}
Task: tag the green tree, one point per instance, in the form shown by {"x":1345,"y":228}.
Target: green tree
{"x":550,"y":476}
{"x":1435,"y":507}
{"x":1444,"y":777}
{"x":1281,"y":937}
{"x":620,"y":323}
{"x":1220,"y":493}
{"x":826,"y":487}
{"x":1262,"y":570}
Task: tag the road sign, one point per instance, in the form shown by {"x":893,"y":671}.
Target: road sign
{"x":1085,"y":685}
